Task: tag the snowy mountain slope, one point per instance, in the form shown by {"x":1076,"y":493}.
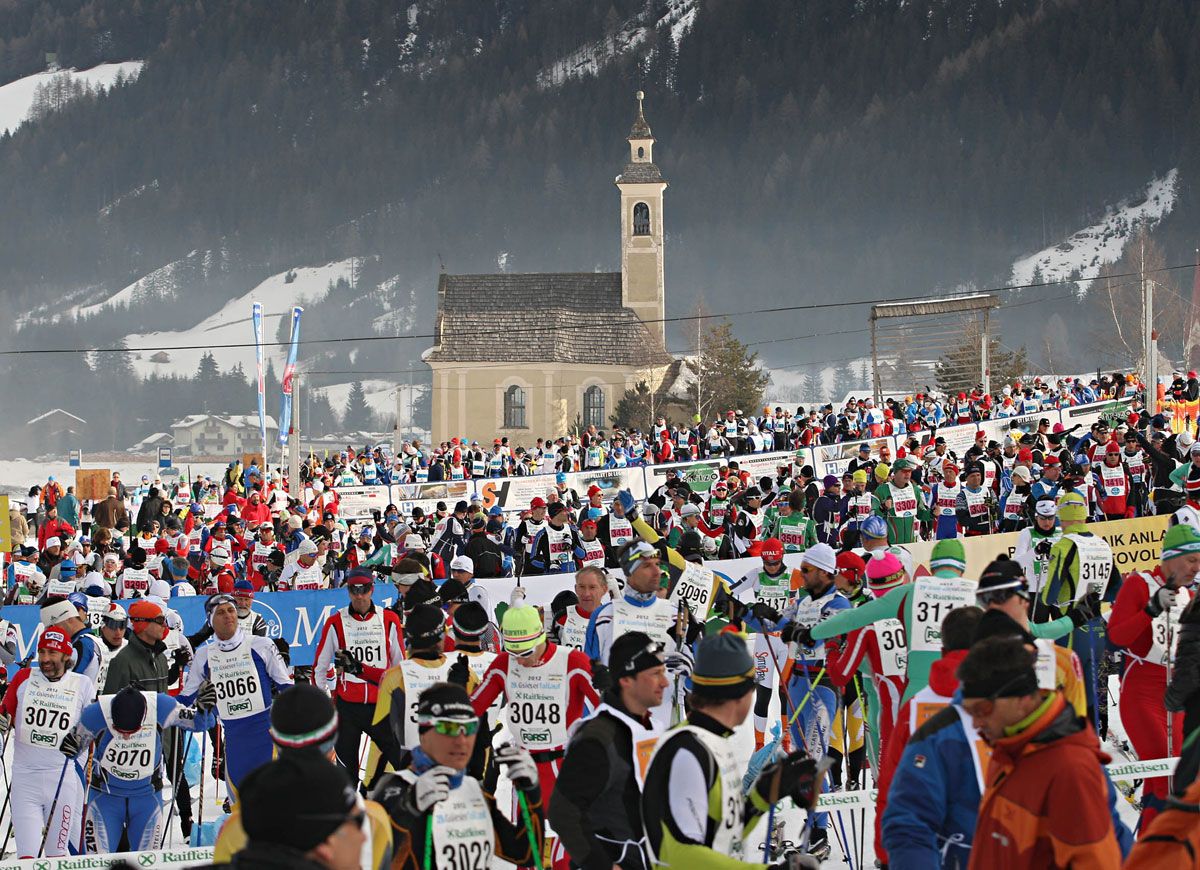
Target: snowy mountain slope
{"x":161,"y":285}
{"x":1102,"y":243}
{"x":232,"y":323}
{"x":16,"y":98}
{"x":381,"y":399}
{"x":589,"y":59}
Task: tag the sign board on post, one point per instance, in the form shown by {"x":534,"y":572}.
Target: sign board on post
{"x":164,"y":457}
{"x":75,"y":458}
{"x":92,"y":483}
{"x":249,"y":459}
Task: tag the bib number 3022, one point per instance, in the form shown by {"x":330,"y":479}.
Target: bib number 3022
{"x":473,"y":855}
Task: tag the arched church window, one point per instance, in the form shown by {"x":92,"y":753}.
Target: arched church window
{"x":514,"y":408}
{"x":641,"y":219}
{"x":641,"y":151}
{"x":593,"y":406}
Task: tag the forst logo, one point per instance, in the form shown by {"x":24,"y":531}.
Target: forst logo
{"x":535,"y":736}
{"x":933,"y":635}
{"x":48,"y":739}
{"x":240,"y":706}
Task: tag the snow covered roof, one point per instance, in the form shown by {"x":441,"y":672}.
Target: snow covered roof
{"x":48,"y":414}
{"x":237,"y":421}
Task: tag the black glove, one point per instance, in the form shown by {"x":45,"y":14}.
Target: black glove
{"x":459,"y":673}
{"x":1163,"y":599}
{"x":794,"y":776}
{"x":728,"y":606}
{"x":206,"y":698}
{"x":285,"y":651}
{"x":1085,"y":610}
{"x":71,"y":745}
{"x":602,"y":679}
{"x":794,"y":631}
{"x":347,"y":661}
{"x":382,"y":569}
{"x":764,"y":612}
{"x":181,"y":657}
{"x":1043,"y":548}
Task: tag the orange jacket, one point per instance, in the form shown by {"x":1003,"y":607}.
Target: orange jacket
{"x":1172,"y":840}
{"x":1046,"y":802}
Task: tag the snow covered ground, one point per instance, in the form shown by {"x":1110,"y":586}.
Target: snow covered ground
{"x":16,"y":98}
{"x":381,"y":399}
{"x":1103,"y":242}
{"x":232,"y":325}
{"x":161,"y":285}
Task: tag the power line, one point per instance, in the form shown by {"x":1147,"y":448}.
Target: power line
{"x":504,"y":333}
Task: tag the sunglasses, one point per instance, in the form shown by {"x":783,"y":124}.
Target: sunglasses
{"x":360,"y":588}
{"x":115,"y":624}
{"x":450,"y":728}
{"x":157,"y":620}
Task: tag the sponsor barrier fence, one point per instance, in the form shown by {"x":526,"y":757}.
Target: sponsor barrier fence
{"x":183,"y":857}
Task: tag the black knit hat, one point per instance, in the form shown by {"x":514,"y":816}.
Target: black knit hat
{"x":444,"y":701}
{"x":128,"y":710}
{"x":632,"y":653}
{"x":452,"y":590}
{"x":470,"y":620}
{"x":724,"y":668}
{"x":303,"y":717}
{"x":297,"y":800}
{"x":424,"y":625}
{"x":421,"y":592}
{"x":1001,"y":574}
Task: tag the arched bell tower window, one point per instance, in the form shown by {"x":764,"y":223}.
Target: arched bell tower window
{"x":593,"y":407}
{"x":514,"y":408}
{"x":641,"y":219}
{"x":641,"y":151}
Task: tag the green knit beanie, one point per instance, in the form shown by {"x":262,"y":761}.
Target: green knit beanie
{"x":948,"y":553}
{"x":1179,"y":541}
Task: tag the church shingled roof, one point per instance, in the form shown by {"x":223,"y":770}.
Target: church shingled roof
{"x":563,"y":317}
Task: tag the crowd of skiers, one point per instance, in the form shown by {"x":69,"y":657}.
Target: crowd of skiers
{"x":976,"y":705}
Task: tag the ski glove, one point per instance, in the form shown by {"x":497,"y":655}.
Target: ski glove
{"x":206,"y":698}
{"x":5,"y":723}
{"x":521,"y":768}
{"x":764,"y":612}
{"x":459,"y":673}
{"x":72,"y":744}
{"x":346,"y":661}
{"x":1163,"y":599}
{"x":1085,"y":610}
{"x":793,"y":631}
{"x":1043,"y":548}
{"x":628,"y":504}
{"x":602,"y":679}
{"x":794,"y":776}
{"x":432,"y":786}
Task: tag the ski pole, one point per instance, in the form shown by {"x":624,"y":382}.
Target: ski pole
{"x":527,"y":817}
{"x":86,"y":794}
{"x":53,"y":805}
{"x":180,"y":755}
{"x":203,"y":758}
{"x":1170,"y":715}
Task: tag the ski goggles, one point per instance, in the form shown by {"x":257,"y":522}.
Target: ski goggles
{"x":361,"y":588}
{"x":455,"y":728}
{"x":116,"y":624}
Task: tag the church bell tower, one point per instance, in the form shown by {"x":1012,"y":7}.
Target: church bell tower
{"x":643,"y":288}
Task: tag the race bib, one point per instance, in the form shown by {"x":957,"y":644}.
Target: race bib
{"x":1095,"y":564}
{"x":893,"y":647}
{"x":1047,"y":665}
{"x":130,"y":758}
{"x":137,"y":580}
{"x":620,"y":531}
{"x":537,"y":703}
{"x":1164,"y":630}
{"x":48,"y":712}
{"x":695,"y":586}
{"x":365,"y":640}
{"x":932,"y":599}
{"x":236,"y":679}
{"x":417,"y":678}
{"x":463,"y":835}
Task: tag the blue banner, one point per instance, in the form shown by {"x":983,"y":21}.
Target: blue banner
{"x":297,"y":617}
{"x":289,"y":371}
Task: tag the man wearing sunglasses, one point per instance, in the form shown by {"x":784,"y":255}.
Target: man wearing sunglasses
{"x":373,"y":635}
{"x":442,"y":816}
{"x":1041,"y":749}
{"x":127,"y":776}
{"x":113,"y":625}
{"x":597,"y":802}
{"x":247,"y":672}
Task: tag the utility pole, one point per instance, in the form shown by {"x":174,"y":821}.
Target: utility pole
{"x":1148,"y":335}
{"x":985,"y":373}
{"x":396,"y":428}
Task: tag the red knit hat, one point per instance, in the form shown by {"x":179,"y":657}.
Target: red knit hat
{"x":55,"y":639}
